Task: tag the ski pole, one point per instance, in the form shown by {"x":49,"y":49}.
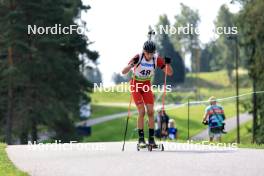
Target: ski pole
{"x":128,"y":113}
{"x":164,"y":91}
{"x":150,"y":34}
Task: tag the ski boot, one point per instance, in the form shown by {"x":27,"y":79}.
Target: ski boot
{"x":141,"y":144}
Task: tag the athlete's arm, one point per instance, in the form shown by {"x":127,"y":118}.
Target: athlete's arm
{"x":127,"y":69}
{"x":169,"y":70}
{"x":130,"y":65}
{"x":162,"y":64}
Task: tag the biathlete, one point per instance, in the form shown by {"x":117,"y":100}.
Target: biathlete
{"x":143,"y":66}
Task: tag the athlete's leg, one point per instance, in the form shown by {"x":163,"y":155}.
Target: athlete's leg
{"x":138,"y":100}
{"x":148,"y":98}
{"x":137,"y":97}
{"x":150,"y":112}
{"x":140,"y":123}
{"x":141,"y":114}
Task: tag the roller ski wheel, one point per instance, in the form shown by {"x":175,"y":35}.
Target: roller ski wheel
{"x":150,"y":148}
{"x":155,"y":146}
{"x":161,"y":147}
{"x":138,"y":149}
{"x":141,"y":145}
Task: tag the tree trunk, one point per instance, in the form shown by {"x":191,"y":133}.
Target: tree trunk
{"x":9,"y":116}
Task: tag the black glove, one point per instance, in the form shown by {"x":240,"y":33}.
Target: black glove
{"x":167,"y":60}
{"x":135,"y":60}
{"x":205,"y":122}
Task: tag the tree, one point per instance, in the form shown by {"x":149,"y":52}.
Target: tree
{"x":226,"y":20}
{"x":206,"y":56}
{"x":187,"y":43}
{"x":93,"y":74}
{"x":211,"y":58}
{"x":165,"y":48}
{"x":44,"y":77}
{"x":250,"y":21}
{"x":118,"y":78}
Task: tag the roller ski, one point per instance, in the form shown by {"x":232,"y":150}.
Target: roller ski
{"x":141,"y":144}
{"x":150,"y":145}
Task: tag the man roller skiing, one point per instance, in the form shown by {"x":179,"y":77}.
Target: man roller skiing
{"x":143,"y":66}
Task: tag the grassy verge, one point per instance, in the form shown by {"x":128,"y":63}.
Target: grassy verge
{"x":7,"y":168}
{"x":245,"y":137}
{"x":101,"y":110}
{"x":252,"y":146}
{"x":112,"y":130}
{"x":245,"y":134}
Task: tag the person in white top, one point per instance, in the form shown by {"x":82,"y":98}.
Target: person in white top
{"x":143,"y":66}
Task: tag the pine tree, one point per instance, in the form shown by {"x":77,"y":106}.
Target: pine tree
{"x":46,"y":82}
{"x":165,"y":48}
{"x":251,"y":19}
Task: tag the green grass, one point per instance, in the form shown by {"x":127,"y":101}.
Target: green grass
{"x":253,"y":146}
{"x":245,"y":134}
{"x":7,"y":168}
{"x":101,"y":110}
{"x":112,"y":130}
{"x":111,"y":96}
{"x":245,"y":137}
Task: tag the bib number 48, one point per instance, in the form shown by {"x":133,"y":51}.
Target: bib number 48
{"x":145,"y":72}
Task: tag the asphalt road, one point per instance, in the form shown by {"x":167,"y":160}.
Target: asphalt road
{"x":102,"y":159}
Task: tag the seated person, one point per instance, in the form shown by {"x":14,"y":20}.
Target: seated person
{"x":161,"y":124}
{"x":172,"y":130}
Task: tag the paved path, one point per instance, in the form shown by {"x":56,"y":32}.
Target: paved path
{"x":230,"y":125}
{"x":103,"y":159}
